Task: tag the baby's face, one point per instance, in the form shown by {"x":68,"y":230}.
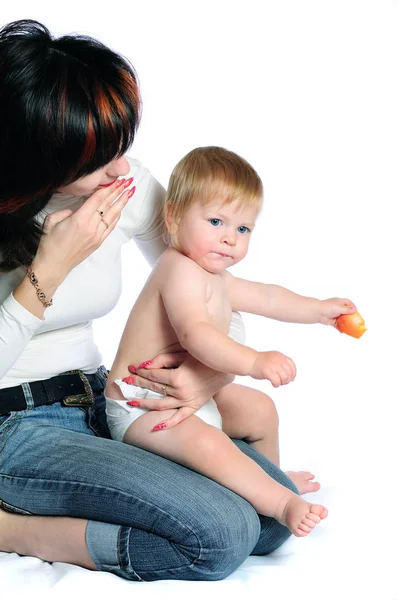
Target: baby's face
{"x":216,"y":235}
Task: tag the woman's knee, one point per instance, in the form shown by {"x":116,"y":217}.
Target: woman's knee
{"x":229,"y":539}
{"x":209,"y":550}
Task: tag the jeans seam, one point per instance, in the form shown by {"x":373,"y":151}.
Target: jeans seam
{"x":128,"y":569}
{"x":91,"y":486}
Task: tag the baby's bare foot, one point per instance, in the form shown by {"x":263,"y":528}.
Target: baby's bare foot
{"x":303,"y":481}
{"x":301,"y":516}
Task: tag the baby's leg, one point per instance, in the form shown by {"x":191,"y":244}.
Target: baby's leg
{"x":251,"y":415}
{"x":209,"y":451}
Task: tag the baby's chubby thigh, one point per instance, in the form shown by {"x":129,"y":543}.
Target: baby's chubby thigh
{"x":135,"y":425}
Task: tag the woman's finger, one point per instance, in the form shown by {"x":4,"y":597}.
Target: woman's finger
{"x":109,"y":221}
{"x":117,"y":207}
{"x":155,"y":375}
{"x":152,"y":404}
{"x":94,"y":202}
{"x":178,"y":417}
{"x":112,"y":201}
{"x":107,"y":229}
{"x":161,"y":361}
{"x":158,"y":381}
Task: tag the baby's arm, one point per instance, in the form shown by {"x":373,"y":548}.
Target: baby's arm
{"x":184,"y":291}
{"x":279,"y":303}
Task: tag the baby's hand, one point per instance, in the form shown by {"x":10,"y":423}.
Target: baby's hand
{"x":332,"y":308}
{"x":274,"y":366}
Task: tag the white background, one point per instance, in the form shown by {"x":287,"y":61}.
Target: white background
{"x":307,"y":92}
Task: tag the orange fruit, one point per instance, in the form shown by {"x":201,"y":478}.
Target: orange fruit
{"x":353,"y":325}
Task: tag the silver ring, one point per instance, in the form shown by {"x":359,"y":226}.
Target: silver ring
{"x":100,"y":212}
{"x":164,"y":388}
{"x":105,"y":223}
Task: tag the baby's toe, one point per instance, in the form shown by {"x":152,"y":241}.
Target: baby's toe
{"x":309,"y":523}
{"x":314,"y":518}
{"x":319,"y":511}
{"x":304,"y":529}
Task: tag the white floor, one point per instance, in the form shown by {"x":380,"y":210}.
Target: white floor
{"x":343,"y":558}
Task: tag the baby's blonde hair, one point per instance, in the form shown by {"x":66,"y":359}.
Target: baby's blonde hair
{"x":209,"y":172}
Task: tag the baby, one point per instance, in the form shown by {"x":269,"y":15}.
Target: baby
{"x":212,"y":203}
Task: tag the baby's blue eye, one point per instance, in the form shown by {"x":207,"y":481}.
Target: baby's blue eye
{"x":215,"y":222}
{"x":243,"y":229}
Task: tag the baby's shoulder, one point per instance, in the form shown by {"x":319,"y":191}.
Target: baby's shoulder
{"x":174,"y":261}
{"x":174,"y":270}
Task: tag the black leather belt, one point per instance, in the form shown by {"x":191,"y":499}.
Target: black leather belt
{"x":72,"y":389}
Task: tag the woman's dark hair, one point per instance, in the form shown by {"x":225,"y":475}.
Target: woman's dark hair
{"x":68,"y":107}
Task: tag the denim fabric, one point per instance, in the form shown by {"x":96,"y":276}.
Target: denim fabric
{"x":149,"y":518}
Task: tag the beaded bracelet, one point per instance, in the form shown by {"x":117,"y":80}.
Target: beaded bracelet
{"x":40,"y":294}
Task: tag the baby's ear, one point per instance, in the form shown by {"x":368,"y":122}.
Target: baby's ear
{"x":170,"y":220}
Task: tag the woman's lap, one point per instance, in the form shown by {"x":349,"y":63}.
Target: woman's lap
{"x":174,"y":522}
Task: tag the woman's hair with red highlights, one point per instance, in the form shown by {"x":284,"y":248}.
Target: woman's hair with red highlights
{"x":68,"y":106}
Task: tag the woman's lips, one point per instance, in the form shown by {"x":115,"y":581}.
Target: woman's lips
{"x":107,"y":184}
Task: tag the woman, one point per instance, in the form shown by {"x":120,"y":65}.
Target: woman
{"x":69,"y":111}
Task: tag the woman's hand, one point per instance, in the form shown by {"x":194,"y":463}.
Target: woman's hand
{"x":186,"y":383}
{"x":70,"y":237}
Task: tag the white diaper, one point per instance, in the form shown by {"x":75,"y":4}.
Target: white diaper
{"x":120,"y":415}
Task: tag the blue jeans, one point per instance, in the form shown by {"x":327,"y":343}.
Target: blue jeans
{"x":148,"y":518}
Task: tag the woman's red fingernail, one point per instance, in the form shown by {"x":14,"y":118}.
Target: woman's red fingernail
{"x":130,"y":380}
{"x":131,"y":192}
{"x":133,"y":403}
{"x":145,"y":364}
{"x":128,"y":182}
{"x":120,"y":182}
{"x":159,"y":427}
{"x":132,"y":369}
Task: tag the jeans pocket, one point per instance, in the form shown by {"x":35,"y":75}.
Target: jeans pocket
{"x":13,"y":509}
{"x":4,"y":419}
{"x":7,"y":424}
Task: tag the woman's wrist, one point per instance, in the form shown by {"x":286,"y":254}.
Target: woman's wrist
{"x":49,"y":275}
{"x":27,"y":295}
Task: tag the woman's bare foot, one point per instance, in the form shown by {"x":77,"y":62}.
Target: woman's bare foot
{"x":301,"y":516}
{"x":303,"y":481}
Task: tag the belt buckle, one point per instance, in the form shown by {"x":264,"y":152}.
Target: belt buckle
{"x":84,"y":400}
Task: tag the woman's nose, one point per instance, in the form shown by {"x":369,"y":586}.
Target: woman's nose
{"x":118,"y":167}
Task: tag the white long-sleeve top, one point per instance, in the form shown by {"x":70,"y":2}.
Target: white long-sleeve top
{"x":32,"y":349}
